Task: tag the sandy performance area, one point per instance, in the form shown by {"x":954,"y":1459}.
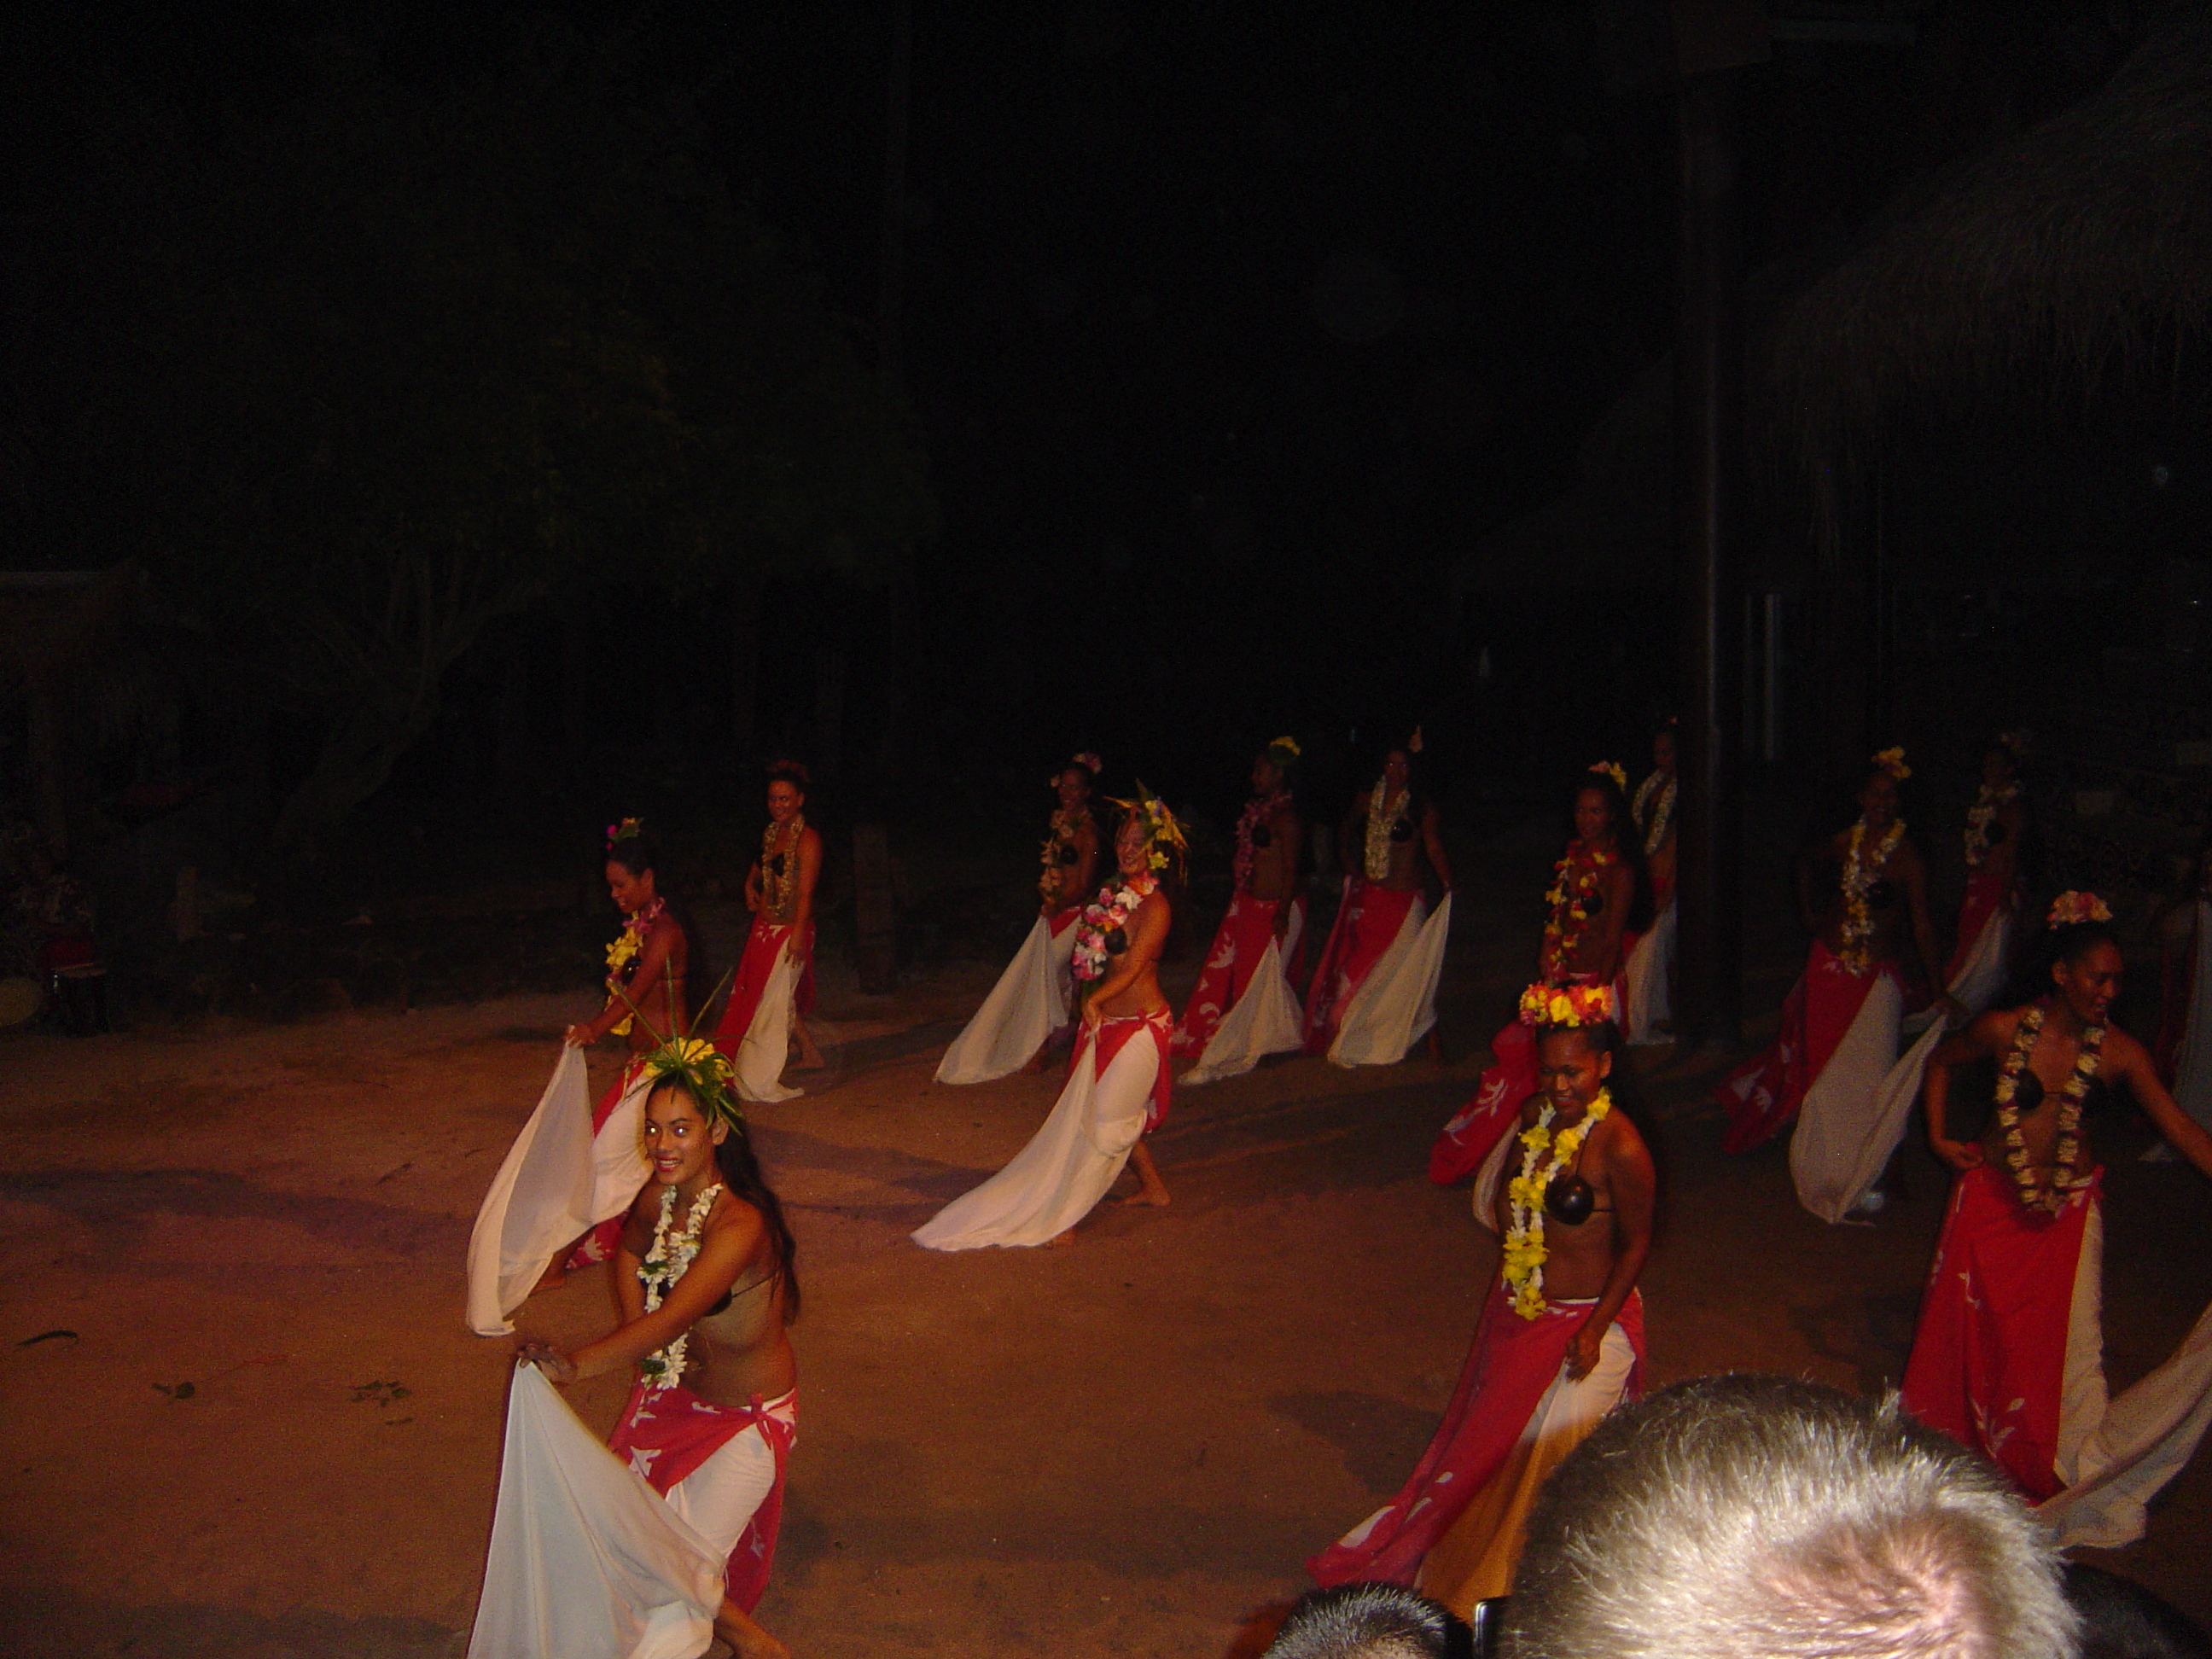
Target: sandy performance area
{"x":242,"y":1416}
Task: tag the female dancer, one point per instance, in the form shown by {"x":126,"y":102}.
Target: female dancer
{"x":1390,"y":829}
{"x":1599,"y":898}
{"x":1560,"y":1337}
{"x":706,"y":1285}
{"x":1031,"y":1000}
{"x":1996,"y":834}
{"x":2008,"y":1356}
{"x":774,"y":985}
{"x":1863,"y":895}
{"x":1651,"y":964}
{"x":1117,"y":1085}
{"x":1265,"y":905}
{"x":647,"y":999}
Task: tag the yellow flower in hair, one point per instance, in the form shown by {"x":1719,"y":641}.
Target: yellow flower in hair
{"x":1562,"y":1009}
{"x":1892,"y":761}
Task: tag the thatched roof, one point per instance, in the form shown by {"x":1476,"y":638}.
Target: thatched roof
{"x":2069,"y":264}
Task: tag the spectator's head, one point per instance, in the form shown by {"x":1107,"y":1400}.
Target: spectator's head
{"x":1368,"y":1621}
{"x":1762,"y":1518}
{"x":2121,"y":1620}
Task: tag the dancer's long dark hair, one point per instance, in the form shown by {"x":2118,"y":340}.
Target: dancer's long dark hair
{"x":2031,"y":971}
{"x":741,"y":1175}
{"x":1627,"y":841}
{"x":638,"y":853}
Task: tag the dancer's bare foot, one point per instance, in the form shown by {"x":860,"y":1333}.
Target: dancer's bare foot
{"x":554,"y":1276}
{"x":810,"y":1057}
{"x":1151,"y":1189}
{"x":1061,"y":1241}
{"x":1142,"y":1200}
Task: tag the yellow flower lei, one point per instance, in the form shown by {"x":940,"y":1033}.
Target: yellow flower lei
{"x":1859,"y":874}
{"x":1524,"y":1255}
{"x":1379,"y":826}
{"x":625,"y":952}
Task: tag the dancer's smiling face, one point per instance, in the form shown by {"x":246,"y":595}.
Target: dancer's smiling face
{"x":1133,"y":847}
{"x":679,"y":1142}
{"x":2089,"y":983}
{"x":1593,"y":817}
{"x":1878,"y":800}
{"x":1571,"y":1068}
{"x":1074,"y":788}
{"x":784,"y":801}
{"x":632,"y":891}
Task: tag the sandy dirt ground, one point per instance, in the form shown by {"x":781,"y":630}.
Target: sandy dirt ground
{"x":1125,"y":1447}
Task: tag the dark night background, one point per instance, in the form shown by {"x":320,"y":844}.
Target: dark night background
{"x":501,"y":423}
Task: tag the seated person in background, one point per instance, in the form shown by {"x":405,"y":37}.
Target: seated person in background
{"x":1763,"y":1517}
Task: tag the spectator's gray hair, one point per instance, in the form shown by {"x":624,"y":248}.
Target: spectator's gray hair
{"x":1762,"y":1518}
{"x":1365,"y":1621}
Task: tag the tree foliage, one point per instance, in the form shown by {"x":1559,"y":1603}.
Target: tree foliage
{"x":358,"y":372}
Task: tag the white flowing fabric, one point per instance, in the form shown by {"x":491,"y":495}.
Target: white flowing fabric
{"x":1059,"y":1177}
{"x":1849,"y":1122}
{"x":1648,"y":1004}
{"x":1027,"y":1006}
{"x":2140,"y":1443}
{"x":586,"y":1560}
{"x":1394,"y":1009}
{"x":1838,"y":1171}
{"x":2192,"y":1071}
{"x":760,"y":1060}
{"x":1981,"y":976}
{"x":1266,"y":1020}
{"x":556,"y":1182}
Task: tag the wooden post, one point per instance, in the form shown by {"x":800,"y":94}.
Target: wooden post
{"x":1708,"y":461}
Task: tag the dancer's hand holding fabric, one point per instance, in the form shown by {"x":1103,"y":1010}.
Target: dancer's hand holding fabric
{"x":548,"y":1358}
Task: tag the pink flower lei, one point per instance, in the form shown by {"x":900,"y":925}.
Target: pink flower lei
{"x":1105,"y":915}
{"x":1257,"y":811}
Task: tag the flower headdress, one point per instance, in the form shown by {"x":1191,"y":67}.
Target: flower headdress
{"x":1892,"y":761}
{"x":2015,"y":743}
{"x":1612,"y":769}
{"x":1283,"y":753}
{"x":627,"y":829}
{"x":1088,"y":762}
{"x":705,"y":1073}
{"x":1162,"y":832}
{"x":2070,"y":908}
{"x":792,"y":772}
{"x":1568,"y":1007}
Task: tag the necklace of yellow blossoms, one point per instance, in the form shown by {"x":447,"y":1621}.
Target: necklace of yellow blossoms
{"x":2035,"y":1192}
{"x":1978,"y":816}
{"x":1379,"y":826}
{"x":1859,"y":874}
{"x":665,"y":1263}
{"x":1524,"y":1252}
{"x":776,"y":878}
{"x":1063,"y":826}
{"x":623,"y":951}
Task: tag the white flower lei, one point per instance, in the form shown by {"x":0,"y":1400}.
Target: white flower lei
{"x":1979,"y":816}
{"x":665,"y":1263}
{"x":1860,"y":874}
{"x":1112,"y":908}
{"x":1524,"y":1253}
{"x":1663,"y":815}
{"x":1379,"y":826}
